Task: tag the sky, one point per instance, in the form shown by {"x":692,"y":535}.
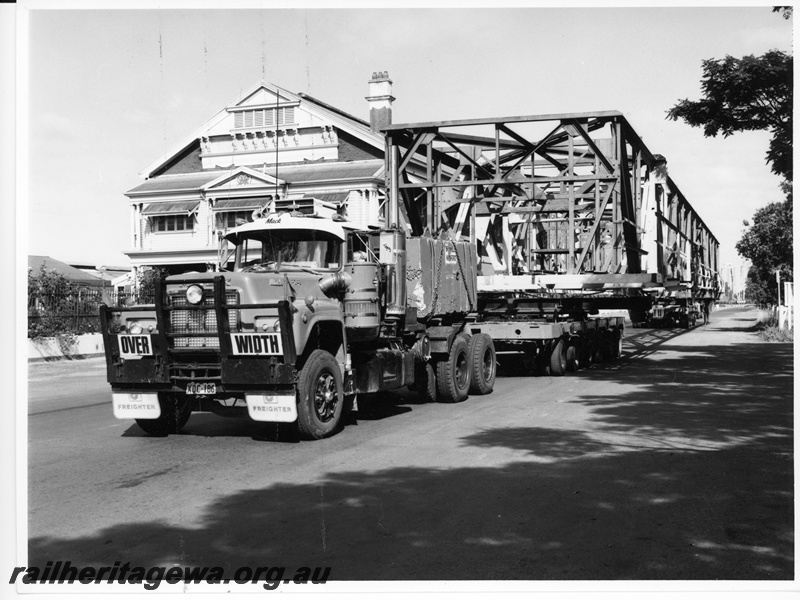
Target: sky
{"x":108,"y":91}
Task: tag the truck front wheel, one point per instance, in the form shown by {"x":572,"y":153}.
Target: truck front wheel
{"x":453,"y":373}
{"x":319,"y":396}
{"x":175,"y":412}
{"x":425,"y":382}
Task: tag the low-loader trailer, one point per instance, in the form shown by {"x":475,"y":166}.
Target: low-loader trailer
{"x":576,"y":224}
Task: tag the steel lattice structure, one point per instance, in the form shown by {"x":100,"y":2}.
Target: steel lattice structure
{"x":565,"y":201}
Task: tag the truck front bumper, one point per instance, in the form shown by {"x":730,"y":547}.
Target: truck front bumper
{"x":161,"y":367}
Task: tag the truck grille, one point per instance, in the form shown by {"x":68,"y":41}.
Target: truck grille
{"x":195,"y":372}
{"x":199,"y":320}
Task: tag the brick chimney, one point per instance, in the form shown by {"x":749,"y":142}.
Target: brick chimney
{"x":380,"y":101}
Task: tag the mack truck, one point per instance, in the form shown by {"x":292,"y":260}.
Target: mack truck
{"x":302,"y":315}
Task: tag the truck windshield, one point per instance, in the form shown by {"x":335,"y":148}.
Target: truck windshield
{"x":289,"y":250}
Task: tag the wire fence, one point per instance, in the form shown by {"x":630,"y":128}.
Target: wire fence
{"x":76,"y":311}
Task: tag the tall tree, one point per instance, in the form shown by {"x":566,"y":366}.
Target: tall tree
{"x":753,"y":93}
{"x":769,"y":246}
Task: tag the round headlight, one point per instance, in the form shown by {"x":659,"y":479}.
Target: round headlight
{"x":277,"y":325}
{"x":134,"y":328}
{"x":194,"y":294}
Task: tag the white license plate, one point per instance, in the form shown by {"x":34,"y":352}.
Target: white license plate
{"x":272,"y":407}
{"x":136,"y":405}
{"x":201,"y":388}
{"x":134,"y":346}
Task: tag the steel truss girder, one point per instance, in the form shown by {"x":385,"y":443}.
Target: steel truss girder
{"x":564,"y":194}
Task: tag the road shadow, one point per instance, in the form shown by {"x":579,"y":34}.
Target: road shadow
{"x":590,"y":511}
{"x":686,"y":474}
{"x":718,"y":393}
{"x":204,"y":424}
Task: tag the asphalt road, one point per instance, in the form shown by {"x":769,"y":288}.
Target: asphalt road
{"x":674,"y":462}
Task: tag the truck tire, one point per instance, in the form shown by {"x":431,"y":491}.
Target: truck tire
{"x":425,"y":382}
{"x":608,"y":342}
{"x":616,"y":350}
{"x":453,"y":373}
{"x":175,"y":413}
{"x":319,"y":396}
{"x":573,"y":356}
{"x":586,"y":351}
{"x":599,"y":348}
{"x":558,"y":359}
{"x":483,"y":364}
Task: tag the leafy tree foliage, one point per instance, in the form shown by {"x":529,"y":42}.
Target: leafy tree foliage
{"x":768,"y":245}
{"x":786,"y":11}
{"x":58,"y":308}
{"x":49,"y":299}
{"x":146,"y":281}
{"x":753,"y":93}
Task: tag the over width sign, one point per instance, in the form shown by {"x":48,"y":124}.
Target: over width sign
{"x":257,"y":344}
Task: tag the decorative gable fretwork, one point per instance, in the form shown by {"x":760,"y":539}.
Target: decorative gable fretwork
{"x":263,"y":139}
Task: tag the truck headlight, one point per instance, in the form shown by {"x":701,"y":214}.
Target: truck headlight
{"x":134,"y":328}
{"x":276,"y":326}
{"x":194,"y":295}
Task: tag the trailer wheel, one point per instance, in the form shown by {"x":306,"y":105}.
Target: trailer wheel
{"x":425,"y":382}
{"x":319,"y":396}
{"x":598,"y":348}
{"x":453,"y":373}
{"x":586,"y":351}
{"x":608,"y":342}
{"x":616,"y":348}
{"x":573,"y":356}
{"x":483,"y":364}
{"x":558,"y":359}
{"x":175,"y":412}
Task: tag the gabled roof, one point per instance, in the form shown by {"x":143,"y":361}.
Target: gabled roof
{"x":339,"y":118}
{"x":227,"y":179}
{"x":189,"y":182}
{"x":299,"y":173}
{"x":74,"y":275}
